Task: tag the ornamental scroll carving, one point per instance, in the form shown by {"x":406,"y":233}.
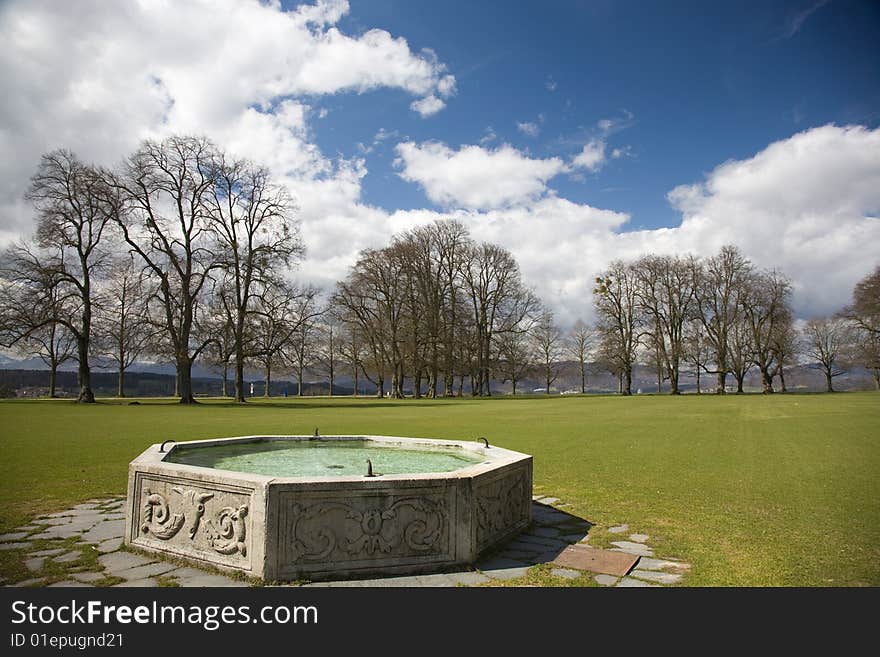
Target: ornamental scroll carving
{"x":166,"y":510}
{"x":341,"y":531}
{"x":501,"y":506}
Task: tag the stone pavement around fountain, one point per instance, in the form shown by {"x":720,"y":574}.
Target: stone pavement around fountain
{"x":82,"y":547}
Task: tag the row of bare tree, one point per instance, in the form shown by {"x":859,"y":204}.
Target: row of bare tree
{"x":132,"y":259}
{"x":723,"y":316}
{"x":183,"y":253}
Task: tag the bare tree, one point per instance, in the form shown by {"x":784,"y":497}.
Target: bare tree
{"x":698,"y":350}
{"x":56,"y":276}
{"x":580,"y":345}
{"x":864,"y":314}
{"x":718,"y":283}
{"x":280,"y":312}
{"x":164,"y":199}
{"x":825,"y":341}
{"x":121,"y":330}
{"x":515,"y":357}
{"x":619,"y":322}
{"x":251,"y":218}
{"x":549,"y":347}
{"x":665,"y":292}
{"x":301,"y":351}
{"x":765,"y":301}
{"x":740,"y":352}
{"x":786,"y":347}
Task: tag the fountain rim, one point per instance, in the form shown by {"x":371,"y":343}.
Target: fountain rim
{"x":493,"y":457}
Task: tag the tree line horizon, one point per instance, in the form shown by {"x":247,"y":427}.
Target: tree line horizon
{"x":183,"y":252}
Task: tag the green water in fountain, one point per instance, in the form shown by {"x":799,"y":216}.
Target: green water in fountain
{"x":323,"y":458}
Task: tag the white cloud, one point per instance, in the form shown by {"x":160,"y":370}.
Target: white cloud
{"x":98,"y":77}
{"x":475,"y":177}
{"x":427,"y":106}
{"x":528,"y":129}
{"x":592,"y":156}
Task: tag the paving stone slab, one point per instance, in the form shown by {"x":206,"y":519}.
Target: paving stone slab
{"x":567,"y":573}
{"x":138,"y":583}
{"x":639,"y":538}
{"x":546,"y":532}
{"x":633,"y":548}
{"x":54,"y":522}
{"x":542,"y":541}
{"x":145,"y":571}
{"x":110,"y":545}
{"x":630,"y":583}
{"x":549,"y":500}
{"x":86,"y":506}
{"x":87,"y":577}
{"x":105,"y":530}
{"x":619,"y":529}
{"x":70,"y":557}
{"x":497,"y":563}
{"x":574,"y":538}
{"x":122,"y":561}
{"x":582,"y":557}
{"x":649,"y":563}
{"x":508,"y":573}
{"x":48,"y":553}
{"x":517,"y":554}
{"x":192,"y":577}
{"x":469,"y":578}
{"x":68,"y":583}
{"x":35,"y":563}
{"x":24,"y":545}
{"x":28,"y":528}
{"x":13,"y":536}
{"x":605,"y":580}
{"x":29,"y":582}
{"x":653,"y":576}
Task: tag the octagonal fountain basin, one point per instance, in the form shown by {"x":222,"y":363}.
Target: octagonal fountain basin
{"x":302,"y":507}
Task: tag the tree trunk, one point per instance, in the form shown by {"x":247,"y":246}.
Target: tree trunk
{"x":331,"y":376}
{"x":355,"y":377}
{"x":86,"y":396}
{"x":739,"y":383}
{"x":224,"y":389}
{"x":877,"y":378}
{"x":659,"y":381}
{"x":627,"y":382}
{"x":380,"y":388}
{"x":417,"y":385}
{"x":722,"y":383}
{"x":766,"y":382}
{"x":239,"y":376}
{"x":177,"y":383}
{"x":266,"y":392}
{"x":830,"y":388}
{"x":620,"y":383}
{"x":673,"y":382}
{"x":184,"y":367}
{"x":120,"y":384}
{"x":299,"y":381}
{"x":513,"y":381}
{"x":782,"y":380}
{"x":699,"y":390}
{"x":53,"y":377}
{"x":583,"y":378}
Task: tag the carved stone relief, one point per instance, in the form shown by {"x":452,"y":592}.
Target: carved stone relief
{"x":501,"y":505}
{"x":367,"y":528}
{"x":216,"y":520}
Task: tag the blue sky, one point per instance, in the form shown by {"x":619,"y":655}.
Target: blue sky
{"x":570,"y":133}
{"x":704,"y":82}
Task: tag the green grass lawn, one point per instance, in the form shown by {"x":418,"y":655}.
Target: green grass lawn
{"x":751,"y":490}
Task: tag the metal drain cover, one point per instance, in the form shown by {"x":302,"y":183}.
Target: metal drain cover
{"x":608,"y":562}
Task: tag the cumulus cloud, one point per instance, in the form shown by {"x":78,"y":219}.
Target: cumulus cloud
{"x":475,"y":177}
{"x":99,"y":77}
{"x":592,"y":156}
{"x":427,"y":106}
